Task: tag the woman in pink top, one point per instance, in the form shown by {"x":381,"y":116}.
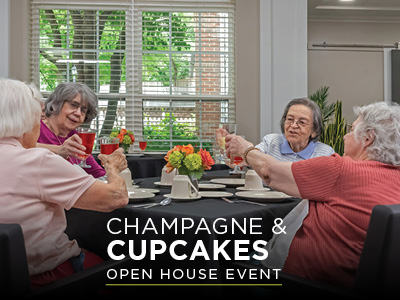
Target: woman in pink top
{"x":68,"y":107}
{"x":34,"y":192}
{"x":342,"y":192}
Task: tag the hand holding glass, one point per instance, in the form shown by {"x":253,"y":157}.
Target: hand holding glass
{"x":220,"y":134}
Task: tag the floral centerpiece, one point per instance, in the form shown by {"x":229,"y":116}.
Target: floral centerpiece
{"x":188,"y":162}
{"x":126,"y":137}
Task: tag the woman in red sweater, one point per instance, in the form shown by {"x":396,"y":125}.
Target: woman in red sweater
{"x":342,"y":192}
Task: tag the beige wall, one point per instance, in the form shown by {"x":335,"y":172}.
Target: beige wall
{"x":19,"y":39}
{"x":354,"y":75}
{"x":248,"y":69}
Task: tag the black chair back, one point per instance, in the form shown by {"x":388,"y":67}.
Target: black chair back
{"x":14,"y":274}
{"x":379,"y":267}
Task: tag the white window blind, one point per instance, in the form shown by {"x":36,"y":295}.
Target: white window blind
{"x":163,"y":69}
{"x":184,"y":71}
{"x":88,"y":42}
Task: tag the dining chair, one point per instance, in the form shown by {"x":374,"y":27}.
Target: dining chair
{"x":378,"y":272}
{"x":14,"y":274}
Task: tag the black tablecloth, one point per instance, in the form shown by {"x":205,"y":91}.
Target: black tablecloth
{"x":143,"y":166}
{"x":90,"y":229}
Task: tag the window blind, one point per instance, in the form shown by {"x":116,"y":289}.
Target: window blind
{"x":184,"y":71}
{"x":163,"y":69}
{"x":87,"y":42}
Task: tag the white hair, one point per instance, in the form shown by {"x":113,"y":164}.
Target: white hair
{"x":19,"y":109}
{"x":382,"y":120}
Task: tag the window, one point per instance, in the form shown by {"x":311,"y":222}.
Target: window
{"x":88,"y":44}
{"x":185,"y":70}
{"x":164,"y":69}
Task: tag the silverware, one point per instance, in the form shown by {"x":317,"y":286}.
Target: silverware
{"x":243,"y":201}
{"x":163,"y":202}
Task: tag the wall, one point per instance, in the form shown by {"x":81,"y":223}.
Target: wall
{"x":354,"y":75}
{"x":4,"y":36}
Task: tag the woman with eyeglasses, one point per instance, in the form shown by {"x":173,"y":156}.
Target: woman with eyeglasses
{"x":301,"y":126}
{"x":68,"y":107}
{"x":341,"y":193}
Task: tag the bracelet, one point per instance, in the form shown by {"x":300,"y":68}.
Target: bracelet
{"x":247,"y":152}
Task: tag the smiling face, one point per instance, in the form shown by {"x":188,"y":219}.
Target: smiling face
{"x":71,"y":116}
{"x":352,"y":147}
{"x":298,"y":132}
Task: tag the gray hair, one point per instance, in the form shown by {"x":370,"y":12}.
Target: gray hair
{"x":318,"y":125}
{"x":66,"y":92}
{"x":382,"y":120}
{"x":19,"y":109}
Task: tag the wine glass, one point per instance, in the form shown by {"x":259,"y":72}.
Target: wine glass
{"x":107,"y":146}
{"x":87,"y":135}
{"x":220,"y":134}
{"x":142,"y":144}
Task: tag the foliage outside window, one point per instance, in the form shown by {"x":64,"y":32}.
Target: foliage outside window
{"x":168,"y":77}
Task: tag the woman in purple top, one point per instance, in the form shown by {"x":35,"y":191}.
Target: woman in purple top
{"x":68,"y":107}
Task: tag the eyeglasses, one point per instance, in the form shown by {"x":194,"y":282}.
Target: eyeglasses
{"x":75,"y":106}
{"x":349,"y":128}
{"x":290,"y":121}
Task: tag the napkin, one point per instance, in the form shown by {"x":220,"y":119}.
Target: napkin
{"x":278,"y":246}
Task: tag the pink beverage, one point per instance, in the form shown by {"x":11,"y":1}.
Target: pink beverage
{"x":237,"y":160}
{"x":108,"y":148}
{"x":142,"y":145}
{"x":87,"y":141}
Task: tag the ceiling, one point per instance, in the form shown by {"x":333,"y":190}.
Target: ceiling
{"x":357,"y":10}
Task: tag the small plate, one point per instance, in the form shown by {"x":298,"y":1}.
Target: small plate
{"x":242,"y":188}
{"x":134,"y":154}
{"x":272,"y":196}
{"x":211,"y":194}
{"x":162,"y":184}
{"x":182,"y":199}
{"x":154,"y":191}
{"x":211,"y":186}
{"x":229,"y":181}
{"x":138,"y":194}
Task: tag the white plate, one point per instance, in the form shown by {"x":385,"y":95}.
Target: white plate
{"x":211,"y":194}
{"x":134,"y":154}
{"x":154,"y":191}
{"x":242,"y":188}
{"x":139,"y":194}
{"x":182,"y":199}
{"x":211,"y":186}
{"x":133,"y":187}
{"x":162,"y":184}
{"x":271,"y":195}
{"x":229,"y":181}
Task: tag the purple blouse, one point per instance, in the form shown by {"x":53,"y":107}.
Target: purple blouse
{"x":48,"y":137}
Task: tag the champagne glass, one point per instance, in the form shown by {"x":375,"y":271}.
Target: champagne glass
{"x":87,"y":135}
{"x":107,"y":146}
{"x":237,"y":160}
{"x":220,"y":134}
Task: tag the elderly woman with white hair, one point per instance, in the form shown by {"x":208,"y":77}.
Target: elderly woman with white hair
{"x":341,"y":192}
{"x":34,"y":193}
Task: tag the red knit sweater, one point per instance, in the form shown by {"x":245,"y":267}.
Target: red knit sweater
{"x":342,"y":194}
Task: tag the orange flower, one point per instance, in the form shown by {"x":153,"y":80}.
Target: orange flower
{"x":123,"y":131}
{"x":169,"y":167}
{"x":188,"y":149}
{"x":132,"y":138}
{"x":121,"y":137}
{"x":207,"y":160}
